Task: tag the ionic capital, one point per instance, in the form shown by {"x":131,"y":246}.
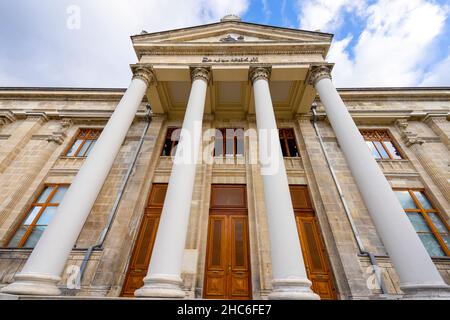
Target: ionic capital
{"x":200,"y":73}
{"x":318,"y":72}
{"x":259,"y":73}
{"x":144,"y":73}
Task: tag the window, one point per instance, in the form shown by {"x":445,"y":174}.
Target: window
{"x":38,"y":217}
{"x":381,"y":144}
{"x":172,"y":138}
{"x":229,"y":142}
{"x":288,"y":144}
{"x":431,"y":228}
{"x":83,"y":143}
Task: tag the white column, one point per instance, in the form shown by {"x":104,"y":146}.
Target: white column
{"x":163,"y":279}
{"x":288,"y":268}
{"x":417,"y":273}
{"x":43,"y":268}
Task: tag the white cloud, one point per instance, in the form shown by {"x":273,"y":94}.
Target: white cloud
{"x":394,"y":48}
{"x":326,"y":15}
{"x":99,"y":53}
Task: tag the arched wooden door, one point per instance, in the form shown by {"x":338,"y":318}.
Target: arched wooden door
{"x":142,"y":252}
{"x":227,"y":267}
{"x":314,"y":252}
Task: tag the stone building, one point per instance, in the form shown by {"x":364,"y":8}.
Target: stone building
{"x":281,"y":186}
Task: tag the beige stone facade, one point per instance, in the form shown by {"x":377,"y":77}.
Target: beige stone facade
{"x":38,"y":124}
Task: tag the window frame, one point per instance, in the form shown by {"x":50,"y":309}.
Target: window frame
{"x":174,"y":143}
{"x":35,"y":203}
{"x":424,"y":212}
{"x":224,"y":143}
{"x":380,"y":139}
{"x":284,"y":139}
{"x":77,"y":137}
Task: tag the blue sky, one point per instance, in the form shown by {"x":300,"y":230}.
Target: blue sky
{"x":85,"y":43}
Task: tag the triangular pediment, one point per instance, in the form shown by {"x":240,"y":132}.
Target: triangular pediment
{"x":232,"y":32}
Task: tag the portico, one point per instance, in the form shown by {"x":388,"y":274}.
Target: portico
{"x":230,"y":71}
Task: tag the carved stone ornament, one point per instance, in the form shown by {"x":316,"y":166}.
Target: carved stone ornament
{"x":200,"y":73}
{"x":230,"y":38}
{"x":259,"y":73}
{"x":318,"y":72}
{"x":144,"y":73}
{"x":57,"y":137}
{"x":410,"y":138}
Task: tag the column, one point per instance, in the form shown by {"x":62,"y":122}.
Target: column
{"x":412,"y":141}
{"x":289,"y":280}
{"x":163,"y":279}
{"x":43,"y":268}
{"x":418,"y":275}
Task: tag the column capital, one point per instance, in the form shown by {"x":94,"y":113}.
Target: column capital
{"x":144,"y":73}
{"x":259,"y":72}
{"x":201,"y":73}
{"x":36,"y":116}
{"x":440,"y":117}
{"x":317,"y":72}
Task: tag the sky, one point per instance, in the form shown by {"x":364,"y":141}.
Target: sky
{"x":86,"y":43}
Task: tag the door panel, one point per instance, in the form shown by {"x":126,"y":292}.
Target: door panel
{"x":227,"y":274}
{"x":313,"y":249}
{"x":143,"y":247}
{"x":215,"y":285}
{"x":239,"y":272}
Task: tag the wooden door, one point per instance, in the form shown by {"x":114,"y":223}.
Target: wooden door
{"x":314,"y":253}
{"x":227,"y":268}
{"x":142,"y":252}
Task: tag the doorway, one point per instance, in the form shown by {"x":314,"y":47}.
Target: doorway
{"x":142,"y":251}
{"x":314,"y":253}
{"x":227,"y":267}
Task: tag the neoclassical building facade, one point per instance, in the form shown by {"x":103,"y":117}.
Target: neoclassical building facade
{"x":230,"y":168}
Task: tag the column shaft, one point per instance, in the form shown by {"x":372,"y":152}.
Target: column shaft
{"x":46,"y":263}
{"x":288,"y":269}
{"x":408,"y":255}
{"x":164,"y":275}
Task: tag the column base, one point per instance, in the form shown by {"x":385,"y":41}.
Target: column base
{"x":426,"y":292}
{"x":161,"y":286}
{"x":33,"y":284}
{"x":292,"y":289}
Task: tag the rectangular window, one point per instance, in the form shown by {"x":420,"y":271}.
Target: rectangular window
{"x":426,"y":220}
{"x":172,"y":139}
{"x":83,"y":144}
{"x":38,"y":216}
{"x":229,"y":142}
{"x":288,"y":144}
{"x":381,"y":144}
